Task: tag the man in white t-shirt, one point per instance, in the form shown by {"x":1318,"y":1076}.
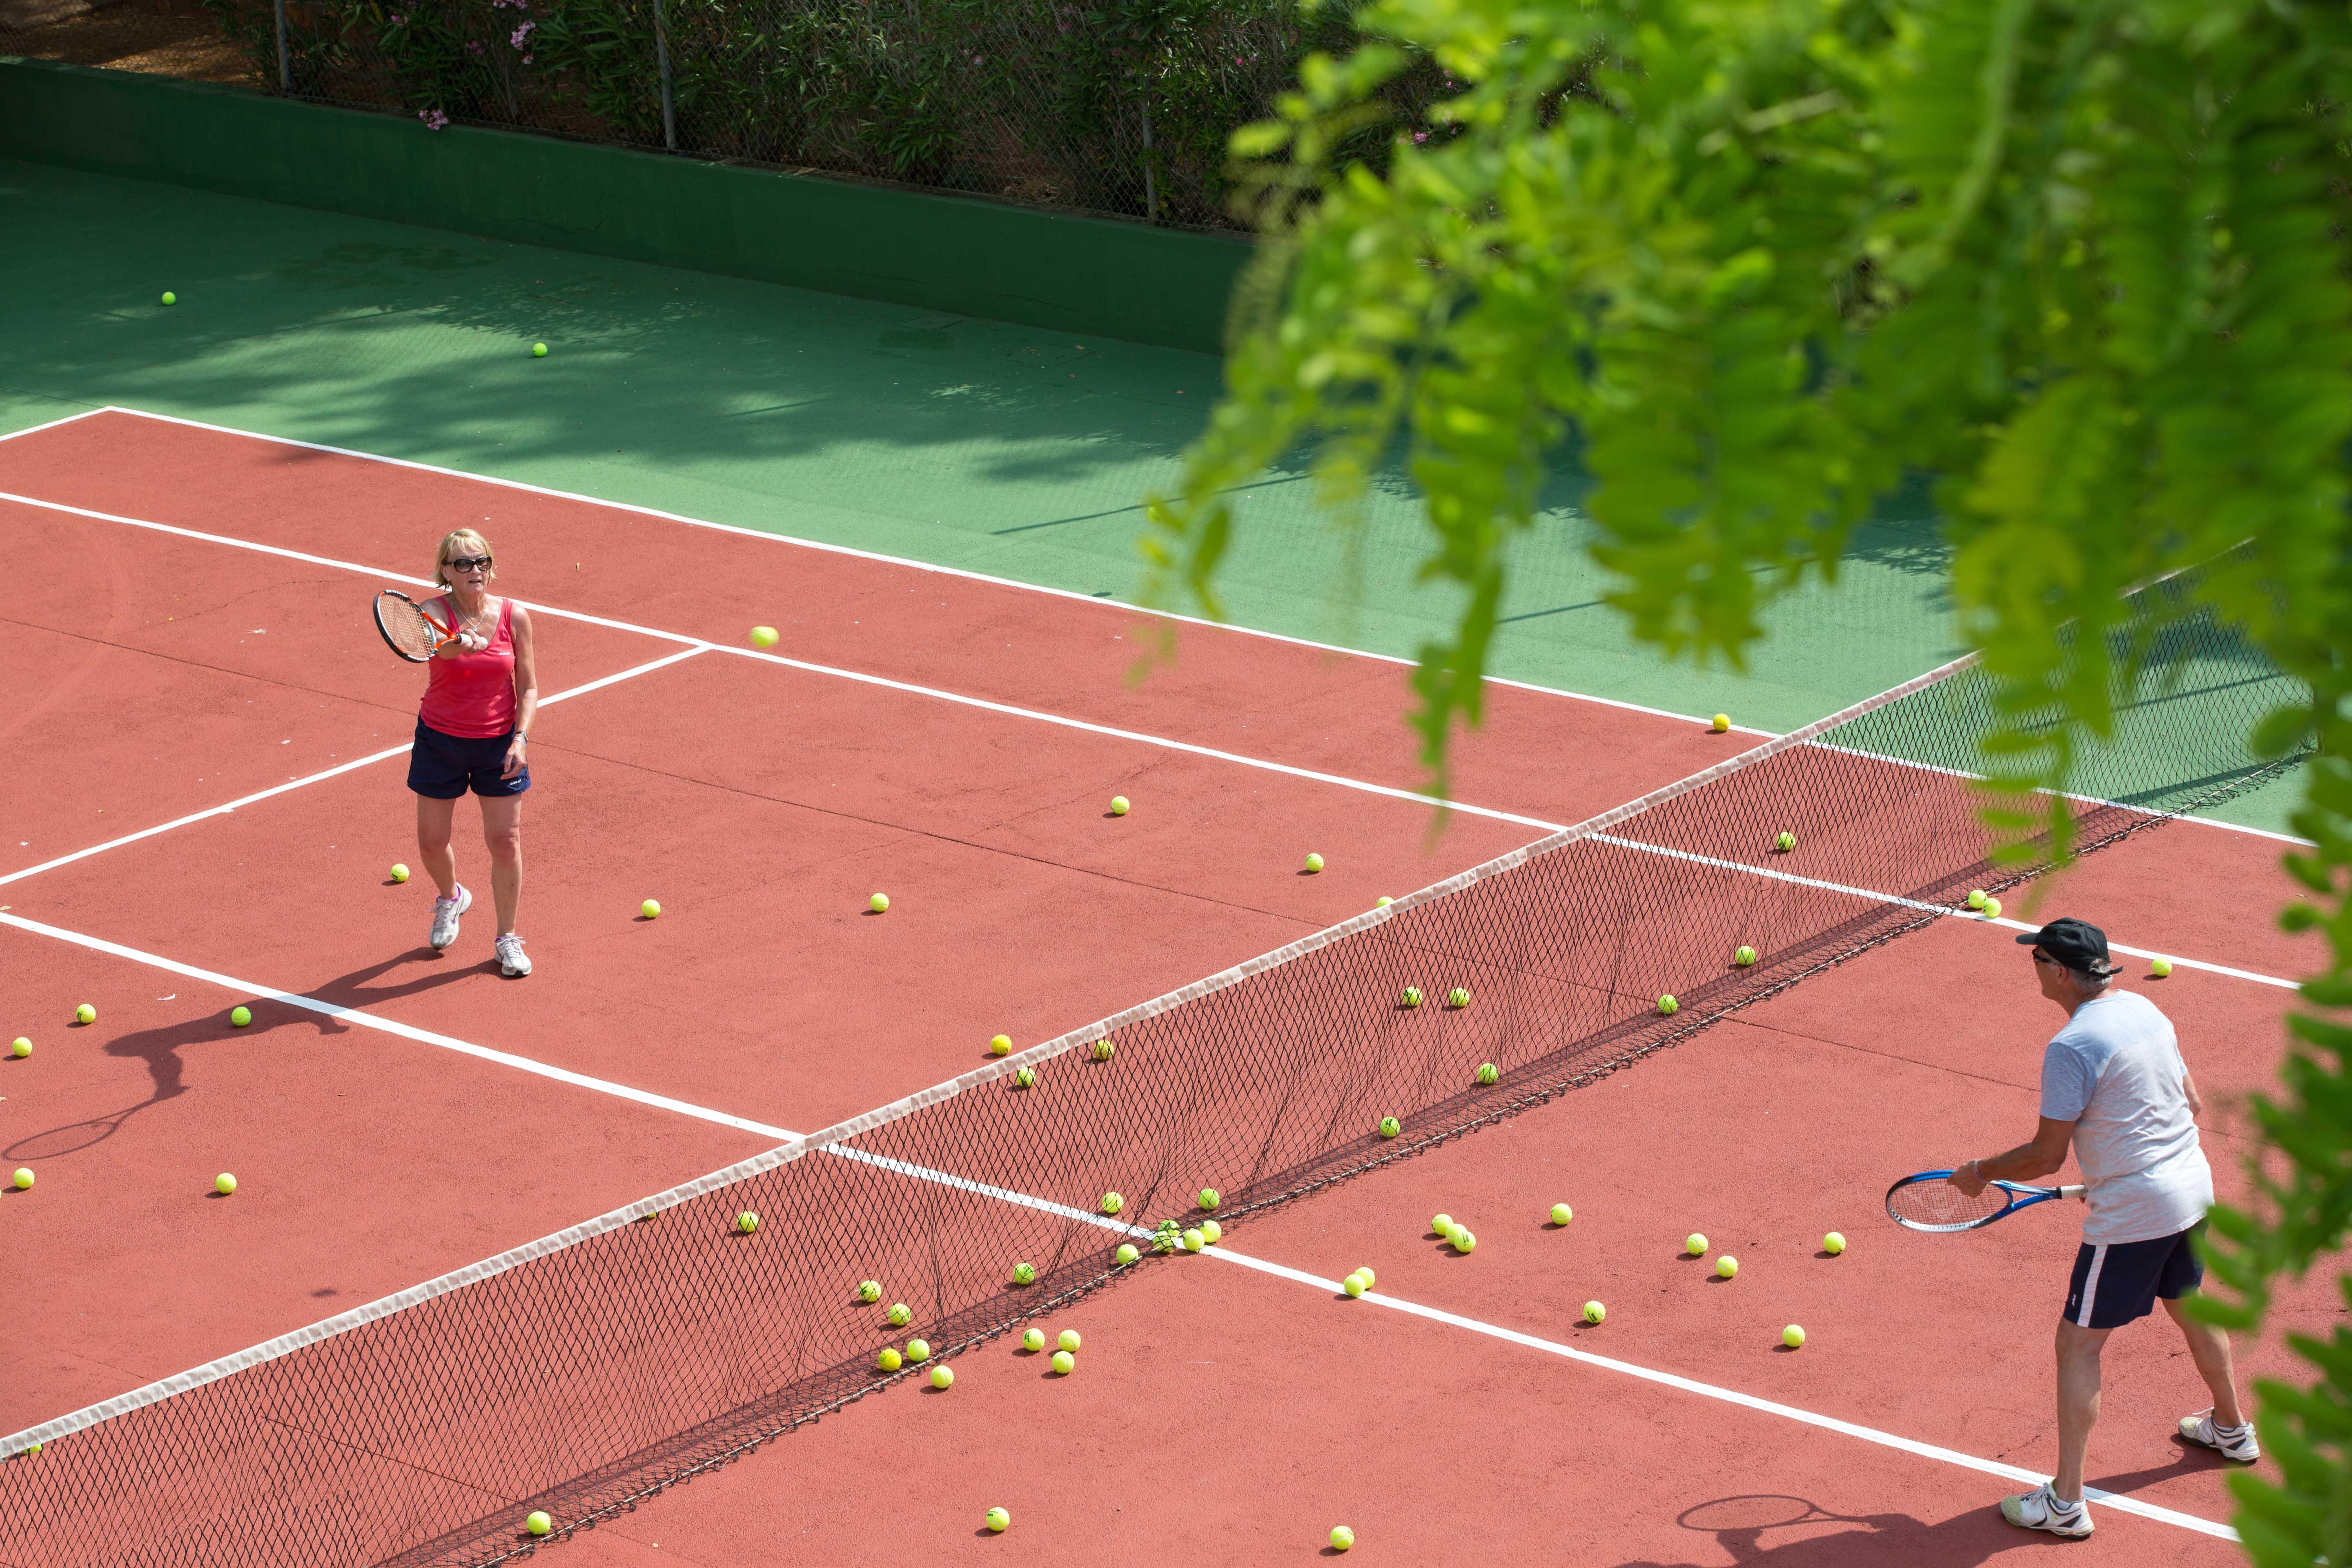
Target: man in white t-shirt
{"x":2113,"y":1086}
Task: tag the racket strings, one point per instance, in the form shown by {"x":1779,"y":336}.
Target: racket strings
{"x":405,"y":627}
{"x":1938,"y":1203}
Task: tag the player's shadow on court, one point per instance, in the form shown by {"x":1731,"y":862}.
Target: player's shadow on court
{"x":1794,"y":1532}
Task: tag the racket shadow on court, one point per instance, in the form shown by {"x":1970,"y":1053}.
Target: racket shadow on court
{"x":1786,"y":1531}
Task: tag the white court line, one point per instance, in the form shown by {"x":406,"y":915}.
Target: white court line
{"x":319,"y":778}
{"x":1329,"y":1287}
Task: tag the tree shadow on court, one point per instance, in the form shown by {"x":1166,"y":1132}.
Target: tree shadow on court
{"x":1783,"y":1531}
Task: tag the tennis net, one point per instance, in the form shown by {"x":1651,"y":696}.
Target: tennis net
{"x":591,"y":1369}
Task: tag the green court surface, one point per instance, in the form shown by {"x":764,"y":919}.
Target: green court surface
{"x":961,"y":442}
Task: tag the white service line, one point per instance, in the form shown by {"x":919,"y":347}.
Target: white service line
{"x":324,"y":775}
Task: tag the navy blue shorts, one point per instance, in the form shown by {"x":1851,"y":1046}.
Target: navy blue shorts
{"x":2116,"y":1282}
{"x":443,"y":767}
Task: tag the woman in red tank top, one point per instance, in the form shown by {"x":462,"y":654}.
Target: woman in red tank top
{"x":473,"y":733}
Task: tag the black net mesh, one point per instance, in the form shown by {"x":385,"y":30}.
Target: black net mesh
{"x":630,"y":1354}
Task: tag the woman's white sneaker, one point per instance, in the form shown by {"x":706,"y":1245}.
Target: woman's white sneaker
{"x":2040,"y":1509}
{"x":512,"y":961}
{"x":2233,"y":1442}
{"x":444,"y":916}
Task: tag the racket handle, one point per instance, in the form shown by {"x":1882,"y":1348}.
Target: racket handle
{"x":2074,"y":1192}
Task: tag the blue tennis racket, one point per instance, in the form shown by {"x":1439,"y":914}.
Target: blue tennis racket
{"x":1929,"y":1202}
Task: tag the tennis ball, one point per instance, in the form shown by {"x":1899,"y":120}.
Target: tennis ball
{"x":1353,"y":1285}
{"x":1068,"y":1339}
{"x":1384,"y":903}
{"x":538,"y":1524}
{"x":240,"y":1015}
{"x":1119,"y":805}
{"x":1391,"y":1127}
{"x":1694,"y":1244}
{"x":869,"y":1290}
{"x":889,"y":1361}
{"x":900,"y":1314}
{"x":996,"y":1518}
{"x":1594,"y":1311}
{"x":170,"y":297}
{"x":1488,"y":1072}
{"x":1744,"y":957}
{"x":1412,"y":997}
{"x":1194,"y":1240}
{"x":539,"y":350}
{"x":941,"y":1377}
{"x":1793,"y":1335}
{"x":399,"y":872}
{"x":1833,"y":1244}
{"x":1208,"y":1200}
{"x":1992,"y":908}
{"x":1458,"y":997}
{"x":1668,"y":1007}
{"x":21,"y":1046}
{"x":1063,"y":1363}
{"x":1315,"y":862}
{"x":1126,"y":1253}
{"x":2160,"y":967}
{"x":763,"y":636}
{"x":879,"y":903}
{"x":1032,"y":1340}
{"x":24,"y":1178}
{"x":1976,"y":897}
{"x":85,"y":1014}
{"x":224,"y":1183}
{"x":1369,"y":1280}
{"x":1024,"y":1274}
{"x":650,"y":909}
{"x":1342,"y":1538}
{"x":1001,"y":1044}
{"x":1211,"y":1232}
{"x":1443,"y":1224}
{"x":1786,"y":842}
{"x":1726,"y":1267}
{"x":1103,"y":1049}
{"x":1562,"y":1213}
{"x":1024,"y":1078}
{"x":919,"y":1350}
{"x":1463,"y":1240}
{"x":747,"y":1222}
{"x":1720,"y":724}
{"x":1112,"y":1202}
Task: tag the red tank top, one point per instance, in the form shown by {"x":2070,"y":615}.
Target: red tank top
{"x":472,"y":695}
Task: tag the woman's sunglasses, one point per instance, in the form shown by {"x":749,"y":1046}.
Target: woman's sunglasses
{"x":468,"y":562}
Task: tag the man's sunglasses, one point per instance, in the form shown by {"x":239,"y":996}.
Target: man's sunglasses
{"x":468,"y":562}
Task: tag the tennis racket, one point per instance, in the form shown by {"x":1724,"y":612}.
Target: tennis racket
{"x":1928,"y":1201}
{"x":407,"y":630}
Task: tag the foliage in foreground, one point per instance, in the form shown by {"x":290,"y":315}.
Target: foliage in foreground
{"x":2084,"y":259}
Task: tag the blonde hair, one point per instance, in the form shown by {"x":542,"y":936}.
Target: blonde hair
{"x":460,"y":542}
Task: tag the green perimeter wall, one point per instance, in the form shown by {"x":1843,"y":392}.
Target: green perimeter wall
{"x":967,"y":257}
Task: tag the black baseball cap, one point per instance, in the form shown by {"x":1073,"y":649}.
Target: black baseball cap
{"x":2079,"y":945}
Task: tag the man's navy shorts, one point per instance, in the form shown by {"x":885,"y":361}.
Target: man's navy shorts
{"x":443,"y":767}
{"x":2116,"y":1282}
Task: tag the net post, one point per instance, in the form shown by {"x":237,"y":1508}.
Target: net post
{"x":661,"y":66}
{"x":285,"y":66}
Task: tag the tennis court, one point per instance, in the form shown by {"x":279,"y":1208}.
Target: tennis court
{"x":394,"y":1116}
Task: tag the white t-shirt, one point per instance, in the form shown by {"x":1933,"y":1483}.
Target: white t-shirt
{"x":2114,"y":1071}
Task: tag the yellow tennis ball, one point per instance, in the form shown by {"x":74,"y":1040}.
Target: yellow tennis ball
{"x":941,"y":1377}
{"x":2160,"y":967}
{"x":1024,"y":1274}
{"x":889,"y":1361}
{"x":1353,"y":1285}
{"x":240,"y":1015}
{"x":1668,"y":1007}
{"x":1412,"y":996}
{"x":1726,"y":1267}
{"x":1126,"y":1253}
{"x":900,"y":1314}
{"x":1194,"y":1240}
{"x":763,"y":636}
{"x":1694,"y":1244}
{"x":1457,"y":997}
{"x":879,"y":903}
{"x":399,"y":872}
{"x":21,"y":1046}
{"x":1063,"y":1363}
{"x":170,"y":297}
{"x":24,"y":1178}
{"x":1103,"y":1050}
{"x":1562,"y":1213}
{"x":1032,"y":1340}
{"x":1002,"y":1045}
{"x":869,"y":1290}
{"x":1443,"y":1224}
{"x":1024,"y":1078}
{"x":1342,"y":1538}
{"x":1992,"y":908}
{"x":1391,"y":1127}
{"x":1209,"y":1199}
{"x":1488,"y":1072}
{"x":1383,"y":902}
{"x":1368,"y":1280}
{"x":1976,"y":897}
{"x":1463,"y":1240}
{"x":539,"y":350}
{"x":1315,"y":862}
{"x":996,"y":1518}
{"x":538,"y":1524}
{"x":650,"y":909}
{"x":1720,"y":724}
{"x":1211,"y":1232}
{"x":1745,"y":956}
{"x":1119,"y":805}
{"x":747,"y":1222}
{"x":1068,"y":1339}
{"x":224,"y":1183}
{"x":85,"y":1014}
{"x":919,"y":1350}
{"x":1112,"y":1202}
{"x":1594,"y":1311}
{"x":1833,"y":1244}
{"x":1786,"y":842}
{"x":1793,"y":1335}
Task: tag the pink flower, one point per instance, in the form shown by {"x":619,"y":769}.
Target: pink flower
{"x":434,"y":118}
{"x":1420,"y":135}
{"x":474,"y":45}
{"x":526,"y":60}
{"x":520,"y":34}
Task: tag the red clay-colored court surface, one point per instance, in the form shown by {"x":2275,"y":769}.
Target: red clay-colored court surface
{"x":206,"y":742}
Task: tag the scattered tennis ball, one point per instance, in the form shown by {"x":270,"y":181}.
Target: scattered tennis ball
{"x":1384,"y":903}
{"x":1211,"y":1232}
{"x":765,"y":636}
{"x":170,"y":297}
{"x":241,"y":1014}
{"x":539,"y":350}
{"x":1353,"y":1285}
{"x":1443,"y":1224}
{"x":224,"y":1183}
{"x":1119,"y":805}
{"x":21,"y":1046}
{"x":538,"y":1524}
{"x":1488,"y":1072}
{"x":919,"y":1350}
{"x":1726,"y":1267}
{"x":650,"y":909}
{"x":1833,"y":1244}
{"x":996,"y":1518}
{"x":1024,"y":1274}
{"x":85,"y":1014}
{"x":399,"y":872}
{"x":1976,"y":897}
{"x":1126,"y":1253}
{"x":1063,"y":1363}
{"x":1103,"y":1049}
{"x":1668,"y":1007}
{"x":1793,"y":1335}
{"x":1001,"y":1044}
{"x":1458,"y":997}
{"x":1194,"y":1240}
{"x":1694,"y":1244}
{"x":879,"y":903}
{"x":1068,"y":1339}
{"x":1112,"y":1202}
{"x":1744,"y":957}
{"x":869,"y":1290}
{"x":1342,"y":1538}
{"x":900,"y":1314}
{"x":1412,"y":996}
{"x":1032,"y":1340}
{"x":941,"y":1377}
{"x":747,"y":1222}
{"x":24,"y":1178}
{"x":1369,"y":1280}
{"x":889,"y":1361}
{"x":1562,"y":1213}
{"x":1315,"y":862}
{"x":1594,"y":1311}
{"x":1720,"y":724}
{"x":1463,"y":1240}
{"x":1208,"y":1200}
{"x":1992,"y":908}
{"x":1024,"y":1078}
{"x":1391,"y":1127}
{"x":1786,"y":842}
{"x":2160,"y":967}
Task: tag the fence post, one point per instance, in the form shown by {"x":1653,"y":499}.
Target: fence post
{"x":285,"y":70}
{"x":1151,"y":188}
{"x":661,"y":63}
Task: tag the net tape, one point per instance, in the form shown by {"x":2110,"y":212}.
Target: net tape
{"x":594,"y":1367}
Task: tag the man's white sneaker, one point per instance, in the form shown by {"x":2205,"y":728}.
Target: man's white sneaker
{"x":445,"y":915}
{"x":513,"y":960}
{"x":2234,"y":1442}
{"x":2040,"y":1509}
